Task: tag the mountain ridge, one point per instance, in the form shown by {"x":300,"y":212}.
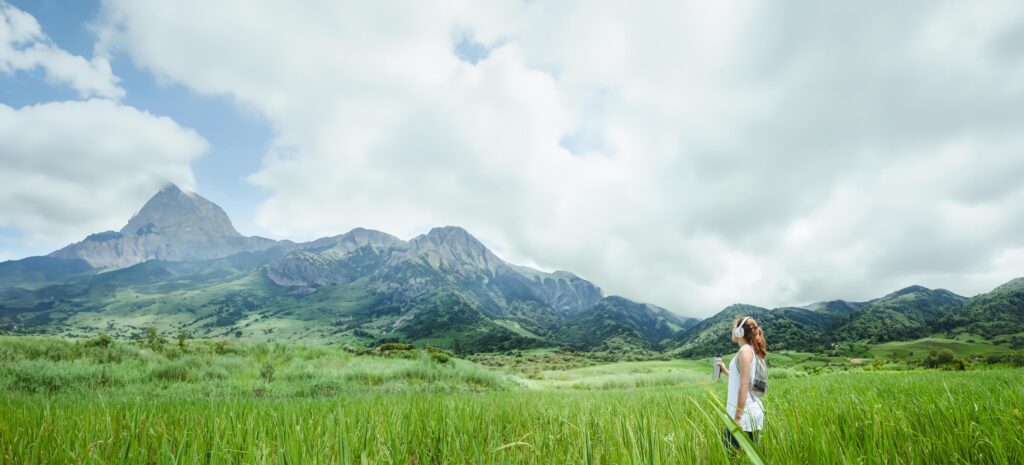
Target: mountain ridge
{"x":909,"y":313}
{"x":180,"y":264}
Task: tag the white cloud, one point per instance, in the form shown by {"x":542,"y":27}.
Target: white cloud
{"x":24,"y":46}
{"x":756,"y":152}
{"x":74,"y":168}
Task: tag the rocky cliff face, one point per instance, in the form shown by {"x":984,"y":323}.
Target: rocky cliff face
{"x":174,"y":225}
{"x":567,"y":293}
{"x":181,"y":214}
{"x":453,"y":249}
{"x":446,"y":256}
{"x":334,"y":260}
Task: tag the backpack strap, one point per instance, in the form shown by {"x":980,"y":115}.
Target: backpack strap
{"x":750,"y":390}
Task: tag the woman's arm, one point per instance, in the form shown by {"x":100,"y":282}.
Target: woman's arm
{"x":746,"y":356}
{"x":723,"y":369}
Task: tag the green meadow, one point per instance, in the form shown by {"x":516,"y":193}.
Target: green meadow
{"x":218,"y":402}
{"x":965,"y":345}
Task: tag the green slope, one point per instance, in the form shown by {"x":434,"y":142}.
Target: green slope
{"x":788,"y":328}
{"x":909,"y":313}
{"x":920,"y":348}
{"x":619,"y":319}
{"x":1000,"y":312}
{"x":234,"y":297}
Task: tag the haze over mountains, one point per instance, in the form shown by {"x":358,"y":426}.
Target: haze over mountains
{"x":179,"y":264}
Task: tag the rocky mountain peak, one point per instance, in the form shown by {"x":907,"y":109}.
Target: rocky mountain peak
{"x":352,"y":240}
{"x":452,"y":246}
{"x":179,"y":211}
{"x":174,"y":225}
{"x":371,"y":237}
{"x":451,"y":235}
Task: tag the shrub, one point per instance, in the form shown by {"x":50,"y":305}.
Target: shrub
{"x":439,"y":357}
{"x":267,"y":372}
{"x":154,"y":340}
{"x":101,"y":341}
{"x":944,"y":358}
{"x":994,"y":359}
{"x":182,"y":339}
{"x":1017,"y":359}
{"x":390,"y":346}
{"x":223,"y":346}
{"x":355,"y":350}
{"x":35,"y":377}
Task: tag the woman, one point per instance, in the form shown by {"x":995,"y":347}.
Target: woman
{"x":741,"y":405}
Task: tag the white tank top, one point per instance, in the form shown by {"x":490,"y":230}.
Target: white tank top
{"x":753,"y":415}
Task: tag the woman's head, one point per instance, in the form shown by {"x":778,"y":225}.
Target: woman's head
{"x":751,"y":334}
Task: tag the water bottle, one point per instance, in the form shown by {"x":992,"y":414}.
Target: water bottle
{"x":718,"y":369}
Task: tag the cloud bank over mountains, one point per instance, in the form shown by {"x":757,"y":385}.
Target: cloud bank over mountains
{"x":687,"y":155}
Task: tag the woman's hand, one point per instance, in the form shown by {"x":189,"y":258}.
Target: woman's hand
{"x":738,"y":418}
{"x":721,"y":366}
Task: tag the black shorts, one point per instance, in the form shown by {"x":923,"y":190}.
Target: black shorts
{"x":730,"y":442}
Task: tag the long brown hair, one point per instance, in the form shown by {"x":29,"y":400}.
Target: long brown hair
{"x":753,"y":334}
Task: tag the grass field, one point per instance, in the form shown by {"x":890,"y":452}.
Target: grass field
{"x":963,"y":346}
{"x":66,"y":403}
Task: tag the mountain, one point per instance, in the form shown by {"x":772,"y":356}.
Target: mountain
{"x":444,"y":257}
{"x":789,"y":328}
{"x":174,"y":225}
{"x":910,"y":313}
{"x":992,"y":314}
{"x":836,"y":307}
{"x":616,"y":321}
{"x":34,"y":272}
{"x":179,"y":264}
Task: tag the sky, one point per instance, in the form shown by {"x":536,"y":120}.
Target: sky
{"x":686,"y":154}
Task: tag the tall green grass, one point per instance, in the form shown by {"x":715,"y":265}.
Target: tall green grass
{"x":227,"y":403}
{"x":864,"y":418}
{"x":55,"y":366}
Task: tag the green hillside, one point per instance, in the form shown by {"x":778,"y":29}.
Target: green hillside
{"x":788,"y":328}
{"x":616,"y":318}
{"x":236,"y":297}
{"x":919,"y":348}
{"x":909,"y":314}
{"x":179,"y":265}
{"x":999,"y":312}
